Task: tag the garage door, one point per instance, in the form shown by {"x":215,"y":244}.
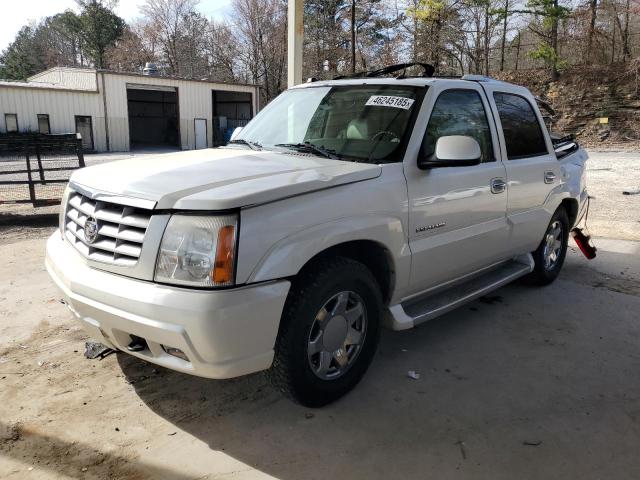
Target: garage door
{"x":230,"y":110}
{"x":153,"y":116}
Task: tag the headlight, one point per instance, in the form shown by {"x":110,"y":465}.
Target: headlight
{"x":198,"y":251}
{"x":62,"y":215}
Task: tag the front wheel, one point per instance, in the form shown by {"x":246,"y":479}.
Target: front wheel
{"x":550,"y":254}
{"x":329,"y":332}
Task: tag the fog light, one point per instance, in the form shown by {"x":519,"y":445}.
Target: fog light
{"x":176,"y":352}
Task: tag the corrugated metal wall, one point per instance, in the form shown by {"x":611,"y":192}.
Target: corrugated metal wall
{"x":194,"y":101}
{"x":62,"y":106}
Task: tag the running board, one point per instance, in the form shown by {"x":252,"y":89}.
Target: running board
{"x":418,"y":310}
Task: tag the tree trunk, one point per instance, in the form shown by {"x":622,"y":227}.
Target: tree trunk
{"x":353,"y":36}
{"x":613,"y":38}
{"x":415,"y":32}
{"x":504,"y":34}
{"x":478,"y":59}
{"x":517,"y":51}
{"x":554,"y":44}
{"x":592,"y":29}
{"x":626,"y":51}
{"x":486,"y":40}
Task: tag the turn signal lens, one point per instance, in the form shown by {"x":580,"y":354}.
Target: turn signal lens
{"x":225,"y":252}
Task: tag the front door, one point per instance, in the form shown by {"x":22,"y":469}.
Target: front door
{"x":85,"y":129}
{"x":457,"y":220}
{"x":201,"y":133}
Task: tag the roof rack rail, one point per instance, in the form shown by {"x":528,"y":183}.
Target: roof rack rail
{"x":479,"y":78}
{"x":429,"y":70}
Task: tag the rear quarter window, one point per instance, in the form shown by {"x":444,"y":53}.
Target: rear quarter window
{"x":522,"y":132}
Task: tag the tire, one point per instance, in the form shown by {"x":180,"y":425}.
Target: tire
{"x":548,"y":266}
{"x":309,"y":323}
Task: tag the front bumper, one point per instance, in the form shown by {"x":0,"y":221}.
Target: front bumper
{"x":224,"y":333}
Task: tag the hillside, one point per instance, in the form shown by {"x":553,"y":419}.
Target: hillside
{"x":585,"y":98}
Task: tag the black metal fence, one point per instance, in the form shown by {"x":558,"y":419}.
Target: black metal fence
{"x":36,"y":168}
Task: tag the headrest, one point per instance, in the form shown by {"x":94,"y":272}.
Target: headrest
{"x":358,"y":130}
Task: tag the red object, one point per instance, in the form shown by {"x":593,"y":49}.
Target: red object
{"x":584,"y":243}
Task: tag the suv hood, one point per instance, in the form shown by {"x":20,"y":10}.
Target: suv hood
{"x":221,"y":178}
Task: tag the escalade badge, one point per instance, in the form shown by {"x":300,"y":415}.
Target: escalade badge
{"x":91,"y":230}
{"x":430,"y":227}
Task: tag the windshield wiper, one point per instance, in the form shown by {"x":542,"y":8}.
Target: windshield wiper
{"x":248,"y":143}
{"x":308,"y":146}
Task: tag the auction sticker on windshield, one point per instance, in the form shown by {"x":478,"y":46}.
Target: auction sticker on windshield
{"x":389,"y":101}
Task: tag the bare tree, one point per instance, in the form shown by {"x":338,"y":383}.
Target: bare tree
{"x":167,"y":18}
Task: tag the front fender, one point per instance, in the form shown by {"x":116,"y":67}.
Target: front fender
{"x":287,"y":257}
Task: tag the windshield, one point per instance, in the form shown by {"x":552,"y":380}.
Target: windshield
{"x":369,"y":123}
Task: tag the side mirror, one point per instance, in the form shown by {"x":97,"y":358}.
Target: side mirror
{"x":235,"y":133}
{"x":453,"y":151}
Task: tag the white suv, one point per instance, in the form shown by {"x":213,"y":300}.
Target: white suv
{"x":344,"y":205}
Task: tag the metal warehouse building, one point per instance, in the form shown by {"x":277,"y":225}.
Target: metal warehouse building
{"x":122,"y":111}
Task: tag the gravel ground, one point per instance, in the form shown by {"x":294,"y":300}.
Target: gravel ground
{"x":612,"y":213}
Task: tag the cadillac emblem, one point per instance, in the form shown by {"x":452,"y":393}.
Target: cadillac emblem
{"x":91,"y":230}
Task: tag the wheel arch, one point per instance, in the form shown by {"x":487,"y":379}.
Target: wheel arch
{"x":372,"y":254}
{"x":570,"y":205}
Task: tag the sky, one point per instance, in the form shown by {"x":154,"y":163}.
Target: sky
{"x":14,"y":14}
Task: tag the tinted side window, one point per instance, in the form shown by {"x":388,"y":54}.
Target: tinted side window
{"x":460,"y":112}
{"x":522,"y":133}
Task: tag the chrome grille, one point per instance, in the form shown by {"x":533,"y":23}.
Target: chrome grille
{"x":120,"y":230}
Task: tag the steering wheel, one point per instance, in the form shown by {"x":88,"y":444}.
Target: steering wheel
{"x":382,"y":133}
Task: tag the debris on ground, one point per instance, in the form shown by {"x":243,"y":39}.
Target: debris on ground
{"x":534,"y":443}
{"x":413,"y":374}
{"x":11,"y":433}
{"x":463,"y":451}
{"x":95,"y":349}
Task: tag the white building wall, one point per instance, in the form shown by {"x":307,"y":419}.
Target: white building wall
{"x":194,"y":101}
{"x":63,"y":93}
{"x":61,"y":105}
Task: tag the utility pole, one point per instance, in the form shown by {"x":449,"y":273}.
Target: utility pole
{"x":295,"y":26}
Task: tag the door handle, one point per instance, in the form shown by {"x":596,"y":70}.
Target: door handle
{"x":549,"y":176}
{"x":498,"y":185}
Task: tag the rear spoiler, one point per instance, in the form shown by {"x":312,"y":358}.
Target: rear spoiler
{"x":564,"y":146}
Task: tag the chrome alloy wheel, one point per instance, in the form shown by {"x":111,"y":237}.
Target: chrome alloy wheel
{"x":337,"y":335}
{"x":553,"y":245}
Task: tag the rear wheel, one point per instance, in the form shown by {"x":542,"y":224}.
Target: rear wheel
{"x":329,"y":332}
{"x":550,"y":254}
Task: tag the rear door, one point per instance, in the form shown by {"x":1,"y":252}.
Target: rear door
{"x":532,"y":168}
{"x":457,"y":221}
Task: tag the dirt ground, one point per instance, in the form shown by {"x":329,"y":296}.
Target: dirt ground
{"x":525,"y":383}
